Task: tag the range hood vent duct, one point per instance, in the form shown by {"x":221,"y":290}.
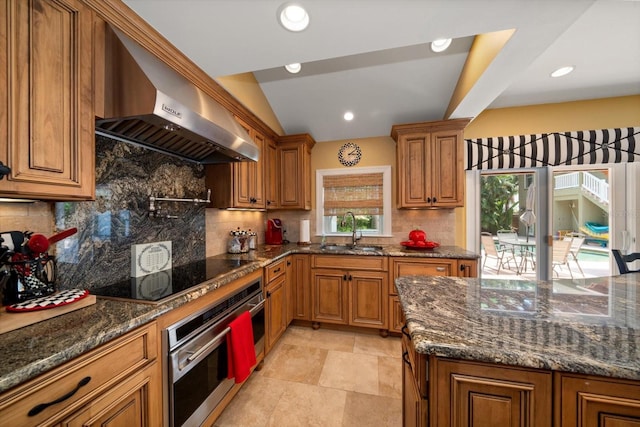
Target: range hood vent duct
{"x":149,"y":104}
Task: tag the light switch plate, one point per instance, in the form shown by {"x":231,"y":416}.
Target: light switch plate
{"x":150,"y":258}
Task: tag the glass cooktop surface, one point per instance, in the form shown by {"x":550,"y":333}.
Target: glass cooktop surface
{"x":156,"y":287}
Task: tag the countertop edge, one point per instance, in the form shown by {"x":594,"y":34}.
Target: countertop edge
{"x":417,"y":302}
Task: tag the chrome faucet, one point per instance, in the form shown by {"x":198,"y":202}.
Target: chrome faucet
{"x":354,"y":235}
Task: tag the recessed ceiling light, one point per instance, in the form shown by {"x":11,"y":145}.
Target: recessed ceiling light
{"x":348,"y":116}
{"x":293,"y":68}
{"x":440,"y":45}
{"x":293,"y":17}
{"x":562,"y":71}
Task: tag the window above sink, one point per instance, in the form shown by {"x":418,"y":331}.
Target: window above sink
{"x":364,"y":191}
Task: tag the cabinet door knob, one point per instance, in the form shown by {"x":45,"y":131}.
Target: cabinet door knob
{"x":350,"y":278}
{"x":428,"y":199}
{"x":4,"y":170}
{"x":435,"y":200}
{"x":288,"y":262}
{"x":344,"y":277}
{"x":268,"y":294}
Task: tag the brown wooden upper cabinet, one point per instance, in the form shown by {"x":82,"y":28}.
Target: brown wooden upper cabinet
{"x":46,"y":94}
{"x":430,"y":164}
{"x":294,"y":165}
{"x":240,"y":184}
{"x":272,"y":175}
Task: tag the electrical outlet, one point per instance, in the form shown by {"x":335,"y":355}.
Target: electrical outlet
{"x":150,"y":258}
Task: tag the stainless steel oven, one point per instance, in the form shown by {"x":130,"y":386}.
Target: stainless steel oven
{"x":197,"y":355}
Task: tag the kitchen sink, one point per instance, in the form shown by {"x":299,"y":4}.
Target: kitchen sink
{"x":366,"y":248}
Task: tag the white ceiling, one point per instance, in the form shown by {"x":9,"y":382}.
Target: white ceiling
{"x":372,"y":56}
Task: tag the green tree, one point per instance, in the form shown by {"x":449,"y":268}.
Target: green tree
{"x":497,"y":202}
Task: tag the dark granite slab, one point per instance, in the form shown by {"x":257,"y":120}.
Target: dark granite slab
{"x":589,"y":326}
{"x":32,"y":350}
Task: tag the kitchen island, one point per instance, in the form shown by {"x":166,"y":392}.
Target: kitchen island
{"x":551,"y":353}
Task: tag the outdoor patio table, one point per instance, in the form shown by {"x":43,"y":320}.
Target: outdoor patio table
{"x":525,"y":248}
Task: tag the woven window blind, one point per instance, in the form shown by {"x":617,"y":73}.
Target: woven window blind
{"x":358,"y":193}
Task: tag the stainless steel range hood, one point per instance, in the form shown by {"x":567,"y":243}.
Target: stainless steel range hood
{"x":149,"y":104}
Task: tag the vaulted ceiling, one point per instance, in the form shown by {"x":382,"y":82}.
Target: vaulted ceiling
{"x":372,"y":57}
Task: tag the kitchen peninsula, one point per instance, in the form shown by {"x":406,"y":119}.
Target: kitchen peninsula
{"x":560,"y":353}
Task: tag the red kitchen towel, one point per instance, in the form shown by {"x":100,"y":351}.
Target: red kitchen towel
{"x":241,"y":353}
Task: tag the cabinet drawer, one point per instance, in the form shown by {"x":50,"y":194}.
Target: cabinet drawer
{"x":431,"y":267}
{"x":104,"y":367}
{"x":370,"y":263}
{"x":275,"y":270}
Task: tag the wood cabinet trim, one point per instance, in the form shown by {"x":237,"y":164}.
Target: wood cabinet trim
{"x":428,"y":127}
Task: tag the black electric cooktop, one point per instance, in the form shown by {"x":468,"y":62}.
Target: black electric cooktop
{"x":156,"y":287}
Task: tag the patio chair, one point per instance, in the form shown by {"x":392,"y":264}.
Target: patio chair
{"x":623,"y":261}
{"x":490,"y":250}
{"x":561,"y":250}
{"x":507,"y":235}
{"x":576,"y":245}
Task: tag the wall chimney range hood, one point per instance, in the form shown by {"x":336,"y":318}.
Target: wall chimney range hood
{"x":149,"y":104}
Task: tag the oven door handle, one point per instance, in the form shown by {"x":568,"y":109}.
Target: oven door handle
{"x":214,"y":342}
{"x":256,"y":307}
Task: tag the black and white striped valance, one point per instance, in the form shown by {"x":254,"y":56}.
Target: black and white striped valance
{"x":590,"y":147}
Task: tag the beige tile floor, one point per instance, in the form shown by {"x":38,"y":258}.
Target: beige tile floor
{"x":322,"y":378}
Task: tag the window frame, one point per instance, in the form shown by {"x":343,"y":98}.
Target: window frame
{"x":386,"y":197}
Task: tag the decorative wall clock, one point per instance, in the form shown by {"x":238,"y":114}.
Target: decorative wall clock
{"x":349,"y":154}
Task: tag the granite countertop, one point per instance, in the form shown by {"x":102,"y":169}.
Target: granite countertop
{"x":32,"y":350}
{"x":589,"y":326}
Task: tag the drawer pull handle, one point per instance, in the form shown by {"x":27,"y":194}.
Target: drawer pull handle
{"x":441,"y":269}
{"x":404,"y":358}
{"x":405,"y":331}
{"x":42,"y":406}
{"x":277,"y":270}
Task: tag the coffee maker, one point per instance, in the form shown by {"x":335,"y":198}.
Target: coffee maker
{"x":273,"y":234}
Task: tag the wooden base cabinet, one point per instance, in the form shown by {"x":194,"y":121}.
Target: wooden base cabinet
{"x":118,"y":384}
{"x":46,"y":86}
{"x":275,"y":302}
{"x":354,"y":293}
{"x":368,"y":299}
{"x":414,"y":407}
{"x":123,"y":406}
{"x":396,"y":316}
{"x":586,"y":401}
{"x":484,"y":395}
{"x":329,"y":296}
{"x":407,"y":266}
{"x":301,"y":287}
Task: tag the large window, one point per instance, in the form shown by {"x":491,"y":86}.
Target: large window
{"x":366,"y":192}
